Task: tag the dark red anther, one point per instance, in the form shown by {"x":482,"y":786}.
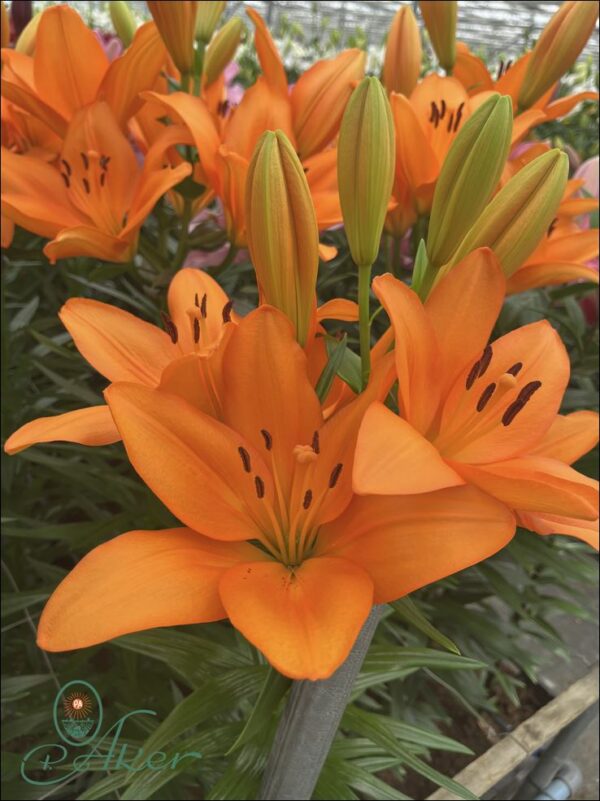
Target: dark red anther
{"x":170,"y":328}
{"x":260,"y":487}
{"x":67,"y":166}
{"x":104,"y":162}
{"x":203,"y":305}
{"x":86,"y":161}
{"x":315,"y":443}
{"x":473,"y":373}
{"x":486,"y":358}
{"x":307,"y":499}
{"x":485,"y":397}
{"x":500,"y":72}
{"x":86,"y":185}
{"x":459,"y":113}
{"x":432,"y":114}
{"x":65,"y":179}
{"x":196,"y":300}
{"x":508,"y":66}
{"x":124,"y":220}
{"x":227,"y":311}
{"x":335,"y":474}
{"x":196,"y":330}
{"x":515,"y":369}
{"x":552,"y":226}
{"x":442,"y":109}
{"x":523,"y":398}
{"x":450,"y":122}
{"x":102,"y":179}
{"x":245,"y":457}
{"x":267,"y":438}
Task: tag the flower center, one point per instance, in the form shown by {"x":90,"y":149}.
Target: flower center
{"x":484,"y":406}
{"x":293,"y":515}
{"x":87,"y":182}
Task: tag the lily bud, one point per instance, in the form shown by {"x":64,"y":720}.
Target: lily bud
{"x":176,"y":23}
{"x":470,"y":174}
{"x":209,"y":14}
{"x":4,"y":25}
{"x":440,"y":21}
{"x":222,"y":49}
{"x":402,"y":62}
{"x":514,"y":222}
{"x":26,"y":42}
{"x":365,"y":163}
{"x":282,"y":231}
{"x":561,"y":41}
{"x":123,"y":21}
{"x":331,"y":82}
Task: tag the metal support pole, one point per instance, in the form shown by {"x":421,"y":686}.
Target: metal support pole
{"x":309,"y":723}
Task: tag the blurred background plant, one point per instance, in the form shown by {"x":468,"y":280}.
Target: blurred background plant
{"x":474,"y":642}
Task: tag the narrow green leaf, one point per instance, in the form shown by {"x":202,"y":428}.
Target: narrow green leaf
{"x":273,"y":690}
{"x":334,"y":363}
{"x":409,"y":611}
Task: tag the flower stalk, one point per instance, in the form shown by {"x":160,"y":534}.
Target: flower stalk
{"x":309,"y":723}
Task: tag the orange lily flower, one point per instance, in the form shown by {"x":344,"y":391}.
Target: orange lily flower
{"x":122,"y":347}
{"x":185,"y":359}
{"x":426,"y":125}
{"x":95,"y":199}
{"x":471,"y":71}
{"x":309,"y":114}
{"x":274,"y":540}
{"x":473,"y":413}
{"x":66,"y":46}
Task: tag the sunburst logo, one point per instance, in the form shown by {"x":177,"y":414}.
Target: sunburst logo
{"x":79,"y":710}
{"x":77,"y":705}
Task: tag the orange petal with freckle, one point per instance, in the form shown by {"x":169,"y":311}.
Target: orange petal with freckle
{"x":305,"y":621}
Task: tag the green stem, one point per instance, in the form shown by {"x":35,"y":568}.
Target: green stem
{"x":364,"y":286}
{"x":183,"y":239}
{"x":185,"y":82}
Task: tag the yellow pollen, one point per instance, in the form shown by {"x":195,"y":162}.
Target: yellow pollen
{"x":507,"y":381}
{"x":304,"y":454}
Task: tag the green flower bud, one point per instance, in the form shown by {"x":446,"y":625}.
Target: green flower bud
{"x":514,"y":222}
{"x":365,"y":164}
{"x":469,"y":176}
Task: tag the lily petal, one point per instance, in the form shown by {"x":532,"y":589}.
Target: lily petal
{"x":585,"y":530}
{"x":305,"y":621}
{"x":70,"y":62}
{"x":319,"y":98}
{"x":569,"y":437}
{"x":193,"y":463}
{"x":478,"y":285}
{"x":83,"y":240}
{"x":416,"y":351}
{"x":268,"y":55}
{"x":393,"y":458}
{"x":34,"y":195}
{"x":263,"y":354}
{"x":137,"y":581}
{"x":533,"y":276}
{"x":482,"y":436}
{"x":133,"y":72}
{"x":120,"y":346}
{"x":28,"y":100}
{"x":92,"y":426}
{"x":187,"y":286}
{"x":536,"y":484}
{"x":406,"y":542}
{"x":338,"y":309}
